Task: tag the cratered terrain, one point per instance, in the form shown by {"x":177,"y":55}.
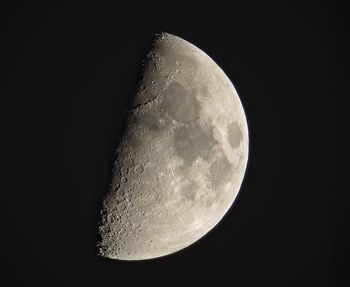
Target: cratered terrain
{"x":181,"y":160}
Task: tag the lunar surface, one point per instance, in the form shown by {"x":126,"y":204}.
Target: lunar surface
{"x":181,"y":160}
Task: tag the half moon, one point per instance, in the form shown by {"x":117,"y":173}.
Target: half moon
{"x":181,"y":159}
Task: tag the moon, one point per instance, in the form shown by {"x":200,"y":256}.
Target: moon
{"x":182,"y":157}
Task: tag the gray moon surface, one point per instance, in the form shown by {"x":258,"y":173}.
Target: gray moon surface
{"x":181,"y":160}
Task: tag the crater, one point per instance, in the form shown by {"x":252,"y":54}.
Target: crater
{"x":234,"y":135}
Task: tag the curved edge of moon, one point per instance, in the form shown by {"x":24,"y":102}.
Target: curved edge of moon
{"x":181,"y":160}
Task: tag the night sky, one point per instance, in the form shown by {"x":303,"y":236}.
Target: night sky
{"x":73,"y":72}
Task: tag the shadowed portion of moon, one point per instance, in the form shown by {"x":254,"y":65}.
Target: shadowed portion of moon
{"x":181,"y":160}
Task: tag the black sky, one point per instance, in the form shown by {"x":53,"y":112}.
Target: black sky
{"x":73,"y":71}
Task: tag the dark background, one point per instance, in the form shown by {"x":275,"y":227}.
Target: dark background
{"x":73,"y":71}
